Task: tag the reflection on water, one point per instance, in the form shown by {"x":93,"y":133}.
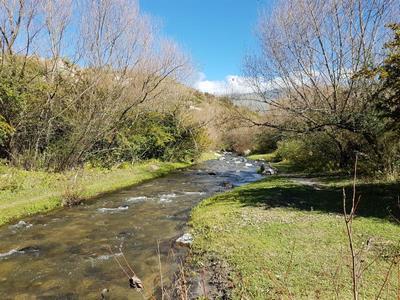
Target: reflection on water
{"x":64,"y":254}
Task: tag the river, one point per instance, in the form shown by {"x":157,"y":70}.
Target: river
{"x":65,"y":254}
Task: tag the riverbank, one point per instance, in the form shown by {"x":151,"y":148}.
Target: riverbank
{"x":24,"y":193}
{"x":285,"y":237}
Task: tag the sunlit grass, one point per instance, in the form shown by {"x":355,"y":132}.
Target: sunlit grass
{"x":286,"y":240}
{"x":269,"y":157}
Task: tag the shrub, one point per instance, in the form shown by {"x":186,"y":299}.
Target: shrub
{"x":73,"y":193}
{"x":390,"y":143}
{"x":239,"y":139}
{"x":5,"y":131}
{"x":313,"y":152}
{"x":267,"y":140}
{"x":153,"y":135}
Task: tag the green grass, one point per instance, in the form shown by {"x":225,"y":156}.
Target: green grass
{"x":287,"y":240}
{"x":24,"y":193}
{"x":270,"y":157}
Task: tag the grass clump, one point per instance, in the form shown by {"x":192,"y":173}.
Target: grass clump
{"x":287,"y":240}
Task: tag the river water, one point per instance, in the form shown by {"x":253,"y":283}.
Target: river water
{"x":65,"y":254}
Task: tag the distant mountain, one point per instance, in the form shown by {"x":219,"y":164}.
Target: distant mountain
{"x":252,"y":100}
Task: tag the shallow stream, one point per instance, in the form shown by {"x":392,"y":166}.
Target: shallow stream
{"x":64,"y":254}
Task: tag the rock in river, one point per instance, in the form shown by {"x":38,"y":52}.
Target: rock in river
{"x":21,"y":224}
{"x":185,"y":240}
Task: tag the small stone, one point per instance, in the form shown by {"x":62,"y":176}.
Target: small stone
{"x":135,"y":283}
{"x":185,"y":240}
{"x":267,"y":170}
{"x":227,"y":185}
{"x":21,"y":224}
{"x":104,"y":294}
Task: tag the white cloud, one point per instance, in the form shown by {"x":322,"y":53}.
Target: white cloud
{"x":232,"y":84}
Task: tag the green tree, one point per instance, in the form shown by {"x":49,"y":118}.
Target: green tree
{"x":388,"y":95}
{"x":387,"y":102}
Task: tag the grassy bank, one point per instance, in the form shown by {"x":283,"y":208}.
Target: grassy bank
{"x":24,"y":193}
{"x":285,"y":239}
{"x":266,"y":156}
{"x":275,"y":161}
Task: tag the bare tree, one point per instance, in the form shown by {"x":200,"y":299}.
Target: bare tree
{"x":125,"y":65}
{"x":19,"y":27}
{"x":312,"y":52}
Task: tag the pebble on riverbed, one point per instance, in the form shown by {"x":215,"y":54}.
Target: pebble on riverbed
{"x":185,"y":240}
{"x":227,"y":185}
{"x":104,"y":294}
{"x":21,"y":224}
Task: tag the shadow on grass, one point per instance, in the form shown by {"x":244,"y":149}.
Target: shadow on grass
{"x":377,"y":200}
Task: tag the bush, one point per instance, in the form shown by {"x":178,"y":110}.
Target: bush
{"x":5,"y":130}
{"x":239,"y":140}
{"x":153,"y":135}
{"x":390,"y":143}
{"x":267,"y":140}
{"x":314,"y":152}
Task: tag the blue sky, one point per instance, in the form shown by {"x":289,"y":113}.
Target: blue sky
{"x":217,"y":33}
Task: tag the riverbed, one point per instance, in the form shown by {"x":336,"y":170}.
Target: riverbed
{"x":66,"y":254}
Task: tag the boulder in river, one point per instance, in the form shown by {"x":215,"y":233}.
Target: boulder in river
{"x":227,"y":185}
{"x":267,"y":170}
{"x":185,"y":240}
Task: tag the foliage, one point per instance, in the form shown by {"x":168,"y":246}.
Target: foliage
{"x":153,"y":135}
{"x":387,"y":102}
{"x":239,"y":138}
{"x":312,"y":153}
{"x":5,"y":131}
{"x":388,"y":95}
{"x":267,"y":140}
{"x":390,"y":144}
